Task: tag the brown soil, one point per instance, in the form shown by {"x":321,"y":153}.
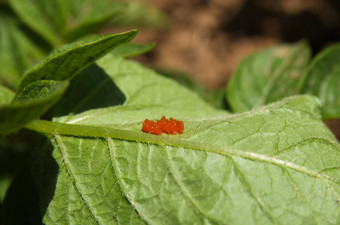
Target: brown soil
{"x":207,"y":39}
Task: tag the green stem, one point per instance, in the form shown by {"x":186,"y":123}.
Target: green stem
{"x":54,"y":128}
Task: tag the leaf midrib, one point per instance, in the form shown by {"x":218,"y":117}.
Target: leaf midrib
{"x":54,"y":128}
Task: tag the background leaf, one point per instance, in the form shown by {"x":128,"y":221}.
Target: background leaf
{"x":322,"y":79}
{"x":63,"y":20}
{"x":33,"y":101}
{"x":267,"y":76}
{"x":137,"y":13}
{"x":6,"y":95}
{"x":18,"y":52}
{"x":71,"y":59}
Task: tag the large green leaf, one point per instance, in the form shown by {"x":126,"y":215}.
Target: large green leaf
{"x":59,"y":21}
{"x":267,"y":76}
{"x":71,"y":59}
{"x":30,"y":103}
{"x":322,"y":79}
{"x":278,"y":164}
{"x":18,"y":52}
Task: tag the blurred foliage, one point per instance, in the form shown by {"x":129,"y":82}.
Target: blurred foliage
{"x":29,"y":30}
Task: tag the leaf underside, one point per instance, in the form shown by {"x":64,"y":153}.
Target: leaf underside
{"x":278,"y":164}
{"x":29,"y":104}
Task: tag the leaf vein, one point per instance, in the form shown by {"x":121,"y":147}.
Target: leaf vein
{"x":62,"y":151}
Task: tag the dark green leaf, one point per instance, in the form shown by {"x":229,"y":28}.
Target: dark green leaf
{"x":67,"y":62}
{"x":267,"y":76}
{"x":91,"y":89}
{"x":27,"y":194}
{"x":17,"y":54}
{"x":30,"y":103}
{"x":4,"y":184}
{"x":25,"y":200}
{"x":216,"y":98}
{"x":64,"y":20}
{"x":138,"y":14}
{"x":86,"y":16}
{"x":322,"y":79}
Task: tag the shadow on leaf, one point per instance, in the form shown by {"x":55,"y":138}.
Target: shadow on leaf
{"x":92,"y":89}
{"x":31,"y":191}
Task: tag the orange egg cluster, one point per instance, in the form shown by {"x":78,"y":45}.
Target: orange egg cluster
{"x":169,"y":126}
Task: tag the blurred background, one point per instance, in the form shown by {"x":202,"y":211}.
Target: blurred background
{"x":207,"y":39}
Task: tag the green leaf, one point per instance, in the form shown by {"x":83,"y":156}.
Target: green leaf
{"x":18,"y":52}
{"x":267,"y":76}
{"x":68,"y":61}
{"x":322,"y":79}
{"x":86,"y":16}
{"x":216,"y":98}
{"x":278,"y":164}
{"x":91,"y":89}
{"x":6,"y":95}
{"x":61,"y":21}
{"x":30,"y":103}
{"x":138,"y":14}
{"x":128,"y":50}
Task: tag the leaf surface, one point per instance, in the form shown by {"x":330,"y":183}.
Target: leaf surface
{"x":267,"y":76}
{"x":30,"y":103}
{"x":322,"y":79}
{"x":71,"y":59}
{"x":278,"y":164}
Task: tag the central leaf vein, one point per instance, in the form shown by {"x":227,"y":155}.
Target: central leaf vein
{"x":54,"y":128}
